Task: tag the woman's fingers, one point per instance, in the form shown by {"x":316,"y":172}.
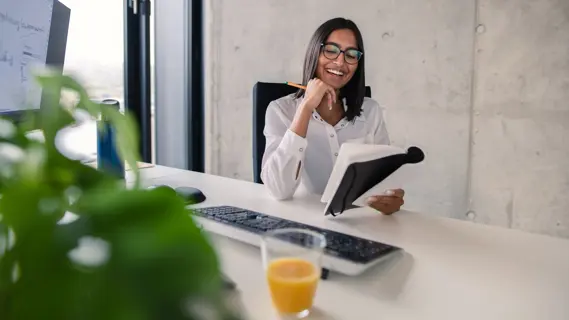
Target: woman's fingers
{"x":371,"y":200}
{"x":389,"y":200}
{"x":330,"y":99}
{"x":333,"y":94}
{"x":315,"y":92}
{"x":399,"y":193}
{"x":383,"y":208}
{"x":326,"y":90}
{"x":386,"y":204}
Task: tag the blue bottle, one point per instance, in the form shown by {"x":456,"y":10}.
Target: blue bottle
{"x":107,"y":156}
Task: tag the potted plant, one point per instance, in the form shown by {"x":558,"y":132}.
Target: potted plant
{"x":129,"y":252}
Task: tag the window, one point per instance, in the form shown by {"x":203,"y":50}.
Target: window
{"x":94,"y":55}
{"x":95,"y":44}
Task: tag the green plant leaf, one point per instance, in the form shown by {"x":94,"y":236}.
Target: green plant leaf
{"x":125,"y":128}
{"x":52,"y":116}
{"x":152,"y":261}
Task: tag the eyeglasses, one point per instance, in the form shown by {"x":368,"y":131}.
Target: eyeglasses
{"x":332,"y":51}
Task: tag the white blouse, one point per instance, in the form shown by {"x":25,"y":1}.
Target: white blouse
{"x":318,"y":151}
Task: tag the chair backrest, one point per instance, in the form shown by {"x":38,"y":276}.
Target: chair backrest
{"x":263,"y":94}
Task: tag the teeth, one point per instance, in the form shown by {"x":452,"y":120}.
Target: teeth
{"x":336,"y":72}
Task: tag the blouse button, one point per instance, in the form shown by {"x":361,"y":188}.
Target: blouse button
{"x":301,"y":149}
{"x":336,"y":154}
{"x":332,"y":135}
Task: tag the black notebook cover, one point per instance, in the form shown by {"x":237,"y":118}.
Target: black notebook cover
{"x":362,"y":176}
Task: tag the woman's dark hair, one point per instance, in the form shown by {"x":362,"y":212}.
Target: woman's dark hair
{"x":354,"y":90}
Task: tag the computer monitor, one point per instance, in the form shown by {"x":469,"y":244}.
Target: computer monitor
{"x":25,"y":35}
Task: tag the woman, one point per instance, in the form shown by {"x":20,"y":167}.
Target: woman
{"x":304,"y":131}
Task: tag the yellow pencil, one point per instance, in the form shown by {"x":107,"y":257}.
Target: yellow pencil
{"x":292,"y":84}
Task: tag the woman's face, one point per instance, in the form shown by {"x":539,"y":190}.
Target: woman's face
{"x":332,"y":69}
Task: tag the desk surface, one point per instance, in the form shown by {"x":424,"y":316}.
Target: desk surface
{"x":451,"y":269}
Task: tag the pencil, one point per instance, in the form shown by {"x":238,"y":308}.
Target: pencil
{"x":292,"y":84}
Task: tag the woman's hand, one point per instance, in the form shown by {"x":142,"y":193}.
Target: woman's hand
{"x":389,"y":203}
{"x":315,"y":92}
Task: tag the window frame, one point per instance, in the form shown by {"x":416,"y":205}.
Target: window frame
{"x":179,"y":84}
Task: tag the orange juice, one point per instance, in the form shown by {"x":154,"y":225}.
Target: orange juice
{"x":292,"y":282}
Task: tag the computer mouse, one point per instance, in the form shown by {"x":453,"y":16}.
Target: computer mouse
{"x":190,"y":195}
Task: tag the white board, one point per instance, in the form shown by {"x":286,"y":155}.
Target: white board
{"x":24,"y":36}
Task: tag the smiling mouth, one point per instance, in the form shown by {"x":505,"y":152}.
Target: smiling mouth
{"x":335,"y":72}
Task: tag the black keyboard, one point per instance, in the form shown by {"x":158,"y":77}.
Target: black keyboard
{"x":339,"y":245}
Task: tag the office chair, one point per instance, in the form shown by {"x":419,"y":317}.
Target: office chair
{"x":263,"y":94}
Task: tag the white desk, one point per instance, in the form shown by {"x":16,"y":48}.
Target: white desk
{"x":451,"y":269}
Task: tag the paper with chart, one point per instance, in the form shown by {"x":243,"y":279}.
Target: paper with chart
{"x":24,"y":36}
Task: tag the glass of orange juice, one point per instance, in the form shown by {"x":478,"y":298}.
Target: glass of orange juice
{"x":292,"y":262}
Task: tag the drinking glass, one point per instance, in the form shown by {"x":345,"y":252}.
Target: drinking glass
{"x":292,"y":262}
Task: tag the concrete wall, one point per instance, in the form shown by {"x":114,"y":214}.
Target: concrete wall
{"x":482,"y":86}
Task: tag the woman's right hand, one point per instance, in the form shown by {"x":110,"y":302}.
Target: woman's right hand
{"x":315,"y":92}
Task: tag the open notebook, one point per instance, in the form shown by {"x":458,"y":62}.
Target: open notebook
{"x":363,"y":170}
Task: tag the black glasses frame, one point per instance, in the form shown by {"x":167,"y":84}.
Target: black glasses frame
{"x":340,"y":51}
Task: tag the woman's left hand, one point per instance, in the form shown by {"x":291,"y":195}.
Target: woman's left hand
{"x":389,"y":203}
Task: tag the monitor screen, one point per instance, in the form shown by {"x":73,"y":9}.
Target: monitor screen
{"x":33,"y":34}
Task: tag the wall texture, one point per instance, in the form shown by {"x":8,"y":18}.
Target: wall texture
{"x":482,"y":86}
